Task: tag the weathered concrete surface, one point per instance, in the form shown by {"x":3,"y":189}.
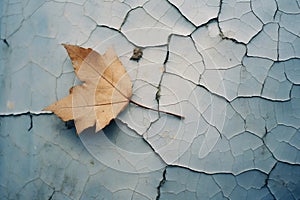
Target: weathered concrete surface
{"x":231,"y":68}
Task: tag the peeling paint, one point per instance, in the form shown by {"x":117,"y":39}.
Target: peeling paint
{"x":230,"y":67}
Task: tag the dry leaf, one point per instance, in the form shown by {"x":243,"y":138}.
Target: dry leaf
{"x":105,"y":92}
{"x":137,"y":54}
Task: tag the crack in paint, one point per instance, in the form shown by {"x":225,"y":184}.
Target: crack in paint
{"x":161,"y":183}
{"x":247,"y":90}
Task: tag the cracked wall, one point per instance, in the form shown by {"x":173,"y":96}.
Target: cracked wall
{"x":230,"y":67}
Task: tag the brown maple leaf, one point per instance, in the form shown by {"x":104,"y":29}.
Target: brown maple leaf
{"x":105,"y":92}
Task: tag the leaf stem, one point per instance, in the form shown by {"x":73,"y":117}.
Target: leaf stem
{"x":153,"y":109}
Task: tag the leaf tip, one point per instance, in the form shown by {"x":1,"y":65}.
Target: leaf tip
{"x":64,"y":44}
